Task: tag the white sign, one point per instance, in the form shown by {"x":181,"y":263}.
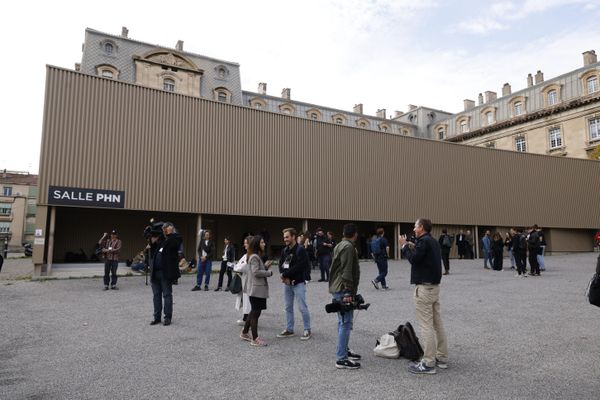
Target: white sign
{"x":39,"y":241}
{"x":38,"y":233}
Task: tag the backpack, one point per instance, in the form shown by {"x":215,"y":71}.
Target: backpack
{"x":376,"y":246}
{"x":386,"y":347}
{"x":447,"y":242}
{"x":593,"y":290}
{"x":408,"y":342}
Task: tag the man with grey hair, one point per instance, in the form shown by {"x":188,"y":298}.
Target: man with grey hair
{"x":164,"y":264}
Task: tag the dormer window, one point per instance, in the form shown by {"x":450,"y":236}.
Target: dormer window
{"x":592,"y":84}
{"x":108,"y":48}
{"x":552,"y":97}
{"x":106,"y":74}
{"x":169,"y":85}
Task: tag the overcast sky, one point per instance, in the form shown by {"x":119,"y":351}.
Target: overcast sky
{"x":337,"y":53}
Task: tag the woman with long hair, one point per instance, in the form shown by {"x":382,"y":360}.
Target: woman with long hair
{"x":242,"y":301}
{"x":257,"y":288}
{"x":497,"y":251}
{"x":508,"y":242}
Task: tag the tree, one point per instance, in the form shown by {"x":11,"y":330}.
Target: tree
{"x":595,"y":154}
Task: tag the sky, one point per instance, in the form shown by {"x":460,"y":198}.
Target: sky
{"x":384,"y":54}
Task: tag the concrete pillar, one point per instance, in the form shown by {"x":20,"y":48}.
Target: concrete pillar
{"x":39,"y":241}
{"x":198,"y":230}
{"x":396,"y":247}
{"x":51,"y":240}
{"x":304,"y":225}
{"x":476,"y":241}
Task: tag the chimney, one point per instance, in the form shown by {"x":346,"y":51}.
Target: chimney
{"x":529,"y":80}
{"x":490,"y":96}
{"x":506,"y":90}
{"x":77,"y":67}
{"x":358,"y":108}
{"x":398,"y":114}
{"x":589,"y":57}
{"x":124,"y":32}
{"x":380,"y":113}
{"x":539,"y":77}
{"x":469,"y":104}
{"x":479,"y":100}
{"x":262,"y":88}
{"x":179,"y":45}
{"x":412,"y":107}
{"x":286,"y":93}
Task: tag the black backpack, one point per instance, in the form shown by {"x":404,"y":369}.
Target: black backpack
{"x":593,"y":291}
{"x":408,"y":342}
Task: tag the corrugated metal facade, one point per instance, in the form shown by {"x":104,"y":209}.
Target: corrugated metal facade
{"x":174,"y":153}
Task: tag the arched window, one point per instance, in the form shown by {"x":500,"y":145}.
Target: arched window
{"x":257,"y":102}
{"x":592,"y":84}
{"x":339,"y":119}
{"x":287,"y":108}
{"x":590,"y":80}
{"x":441,"y":133}
{"x":313,"y":113}
{"x":517,"y":106}
{"x":384,"y":128}
{"x":462,"y":124}
{"x":552,"y":97}
{"x":107,"y":71}
{"x":518,"y":109}
{"x":169,"y":85}
{"x":108,"y":48}
{"x":551,"y":94}
{"x":362,"y":122}
{"x":222,"y":95}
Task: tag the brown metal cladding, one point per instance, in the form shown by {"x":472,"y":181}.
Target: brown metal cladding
{"x":170,"y":152}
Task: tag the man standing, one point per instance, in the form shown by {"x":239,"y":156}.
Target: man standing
{"x":380,"y":249}
{"x":205,"y":253}
{"x":461,"y":245}
{"x":110,"y":250}
{"x":446,"y":245}
{"x":469,"y":252}
{"x":226,"y":264}
{"x":293,"y":265}
{"x":426,"y":275}
{"x":343,"y":285}
{"x":519,"y":249}
{"x":164,"y":264}
{"x":486,"y":243}
{"x":324,"y":248}
{"x":533,"y":247}
{"x":542,"y":249}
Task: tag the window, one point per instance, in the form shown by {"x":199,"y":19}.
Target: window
{"x":464,"y":127}
{"x":257,"y":105}
{"x":520,"y":144}
{"x":221,"y":73}
{"x":552,"y":97}
{"x":592,"y":84}
{"x":339,"y":121}
{"x":595,"y":129}
{"x":489,"y":118}
{"x":490,"y":145}
{"x":5,"y":208}
{"x":287,"y":108}
{"x":222,"y":97}
{"x":441,"y":133}
{"x":518,"y":109}
{"x":7,"y":191}
{"x":257,"y":102}
{"x":384,"y":127}
{"x":106,"y":74}
{"x":314,"y":115}
{"x":169,"y":85}
{"x":555,"y":138}
{"x":108,"y":48}
{"x":4,"y":227}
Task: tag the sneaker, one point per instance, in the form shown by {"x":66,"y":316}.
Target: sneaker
{"x":385,"y":287}
{"x":353,"y":356}
{"x":375,"y":283}
{"x":517,"y":275}
{"x":285,"y":334}
{"x":218,"y":289}
{"x":306,"y":335}
{"x":206,"y":288}
{"x":240,"y":322}
{"x":227,"y":289}
{"x":441,"y":364}
{"x":421,"y":368}
{"x":446,"y":273}
{"x":113,"y":287}
{"x":321,"y":280}
{"x":245,"y":336}
{"x":196,"y":288}
{"x":258,"y":342}
{"x":347,"y":364}
{"x":105,"y":287}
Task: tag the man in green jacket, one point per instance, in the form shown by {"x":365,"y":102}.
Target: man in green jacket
{"x":343,"y":285}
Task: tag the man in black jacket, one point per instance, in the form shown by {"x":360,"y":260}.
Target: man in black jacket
{"x":533,"y":246}
{"x":206,"y":249}
{"x":226,"y":264}
{"x":164,"y":264}
{"x":426,"y":274}
{"x":519,"y":249}
{"x":293,"y":265}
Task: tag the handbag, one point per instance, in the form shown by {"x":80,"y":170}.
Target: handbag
{"x":593,"y":290}
{"x":235,"y":286}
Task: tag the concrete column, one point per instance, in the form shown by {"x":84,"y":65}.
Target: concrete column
{"x":198,"y":238}
{"x":304,"y":225}
{"x":396,"y":247}
{"x":39,"y":241}
{"x":476,"y":242}
{"x":51,"y":240}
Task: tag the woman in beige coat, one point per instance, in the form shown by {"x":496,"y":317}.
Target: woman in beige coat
{"x":256,"y":286}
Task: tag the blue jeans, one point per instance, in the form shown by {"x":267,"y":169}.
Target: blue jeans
{"x":204,"y":268}
{"x":298,"y":291}
{"x":511,"y":258}
{"x":487,"y":256}
{"x":382,"y":267}
{"x":344,"y":327}
{"x":540,"y":259}
{"x":324,"y":265}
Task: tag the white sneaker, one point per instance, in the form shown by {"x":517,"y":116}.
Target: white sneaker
{"x":306,"y":335}
{"x":240,"y":322}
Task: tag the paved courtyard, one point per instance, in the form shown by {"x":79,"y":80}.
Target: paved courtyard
{"x":510,"y":338}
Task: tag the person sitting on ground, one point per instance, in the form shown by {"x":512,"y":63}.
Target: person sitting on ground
{"x":138,"y":264}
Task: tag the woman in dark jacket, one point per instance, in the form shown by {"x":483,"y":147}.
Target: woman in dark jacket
{"x":497,"y":251}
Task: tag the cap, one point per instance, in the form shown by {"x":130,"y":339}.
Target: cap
{"x":113,"y":232}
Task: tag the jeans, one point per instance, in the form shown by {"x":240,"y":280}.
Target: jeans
{"x":324,"y":265}
{"x":446,"y":259}
{"x":138,"y":267}
{"x":345,"y":320}
{"x":540,"y":258}
{"x":162,"y":289}
{"x":110,"y":267}
{"x":204,"y":268}
{"x":224,"y":268}
{"x":511,"y":258}
{"x":298,"y":291}
{"x":382,"y":267}
{"x":487,"y":256}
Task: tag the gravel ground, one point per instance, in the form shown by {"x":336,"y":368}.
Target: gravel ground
{"x":509,"y":338}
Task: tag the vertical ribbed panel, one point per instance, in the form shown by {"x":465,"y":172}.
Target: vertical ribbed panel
{"x":170,"y":152}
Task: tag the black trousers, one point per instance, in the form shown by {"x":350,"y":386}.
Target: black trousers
{"x":446,"y":259}
{"x":520,"y":262}
{"x":222,"y":272}
{"x":110,"y":267}
{"x":162,"y":289}
{"x":498,"y":254}
{"x":534,"y":266}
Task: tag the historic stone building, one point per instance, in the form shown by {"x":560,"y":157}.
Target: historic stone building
{"x":17,"y":208}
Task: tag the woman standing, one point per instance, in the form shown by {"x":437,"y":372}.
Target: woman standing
{"x":243,"y":301}
{"x":508,"y":243}
{"x":497,"y":251}
{"x":257,"y":288}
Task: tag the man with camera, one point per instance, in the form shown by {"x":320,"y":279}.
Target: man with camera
{"x":426,"y":274}
{"x":343,"y":285}
{"x":110,"y":250}
{"x":164,"y":265}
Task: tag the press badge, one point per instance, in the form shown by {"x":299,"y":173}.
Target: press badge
{"x":160,"y":251}
{"x":286,"y":265}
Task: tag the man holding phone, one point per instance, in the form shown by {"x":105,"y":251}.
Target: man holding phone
{"x":110,"y":250}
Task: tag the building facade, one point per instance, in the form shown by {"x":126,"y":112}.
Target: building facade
{"x":17,"y":208}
